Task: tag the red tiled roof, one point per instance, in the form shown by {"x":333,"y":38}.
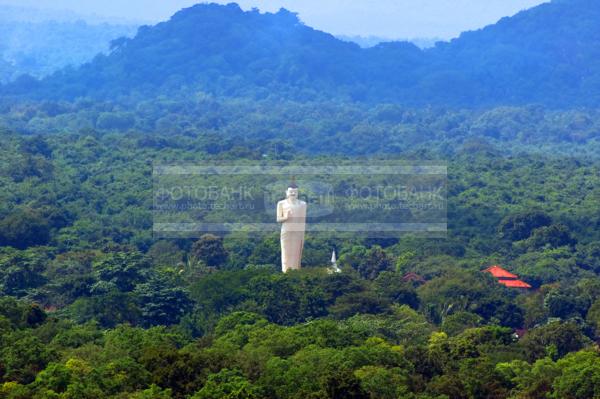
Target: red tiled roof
{"x":499,"y":272}
{"x":514,"y":283}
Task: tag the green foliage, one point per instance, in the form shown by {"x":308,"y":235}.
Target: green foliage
{"x":553,"y":236}
{"x":119,"y":270}
{"x":165,"y":253}
{"x":565,"y":303}
{"x":530,"y":380}
{"x":589,"y":256}
{"x":228,"y":384}
{"x":367,"y":262}
{"x":21,"y":270}
{"x":248,"y":357}
{"x":161,"y":302}
{"x":456,"y":323}
{"x":519,"y":226}
{"x":404,"y":326}
{"x":109,"y":309}
{"x":580,"y":376}
{"x":209,"y":249}
{"x":555,"y":340}
{"x":392,"y":287}
{"x":382,"y":383}
{"x":593,"y":316}
{"x":154,"y":392}
{"x":459,"y":291}
{"x":115,"y":121}
{"x":547,"y":266}
{"x":232,"y":327}
{"x":328,"y":372}
{"x":19,"y":315}
{"x":23,"y":356}
{"x":24,"y":228}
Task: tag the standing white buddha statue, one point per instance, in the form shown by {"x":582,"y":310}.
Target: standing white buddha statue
{"x":291,"y":213}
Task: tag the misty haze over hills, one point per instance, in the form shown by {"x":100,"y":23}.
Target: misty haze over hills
{"x":12,"y":13}
{"x":34,"y":38}
{"x":39,"y":42}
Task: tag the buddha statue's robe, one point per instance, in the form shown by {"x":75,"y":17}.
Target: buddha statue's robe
{"x":292,"y":232}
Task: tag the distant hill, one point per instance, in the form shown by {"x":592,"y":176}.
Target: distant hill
{"x":372,"y":41}
{"x":548,"y":54}
{"x":35,"y":42}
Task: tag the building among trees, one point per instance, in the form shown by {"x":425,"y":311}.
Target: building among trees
{"x":507,"y":278}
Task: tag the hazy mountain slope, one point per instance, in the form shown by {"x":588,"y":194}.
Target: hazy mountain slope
{"x":40,"y":47}
{"x":224,"y":50}
{"x":549,"y":54}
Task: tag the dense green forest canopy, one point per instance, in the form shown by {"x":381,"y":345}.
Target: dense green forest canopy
{"x":94,"y":306}
{"x":545,"y":55}
{"x":276,"y":128}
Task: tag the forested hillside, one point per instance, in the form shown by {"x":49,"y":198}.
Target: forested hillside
{"x":310,"y":128}
{"x":544,"y":55}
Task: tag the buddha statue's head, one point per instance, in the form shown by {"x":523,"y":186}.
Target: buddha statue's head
{"x":292,"y":191}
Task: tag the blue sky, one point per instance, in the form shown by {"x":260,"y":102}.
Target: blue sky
{"x":385,"y":18}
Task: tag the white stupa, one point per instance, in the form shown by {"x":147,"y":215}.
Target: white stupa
{"x":334,"y":266}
